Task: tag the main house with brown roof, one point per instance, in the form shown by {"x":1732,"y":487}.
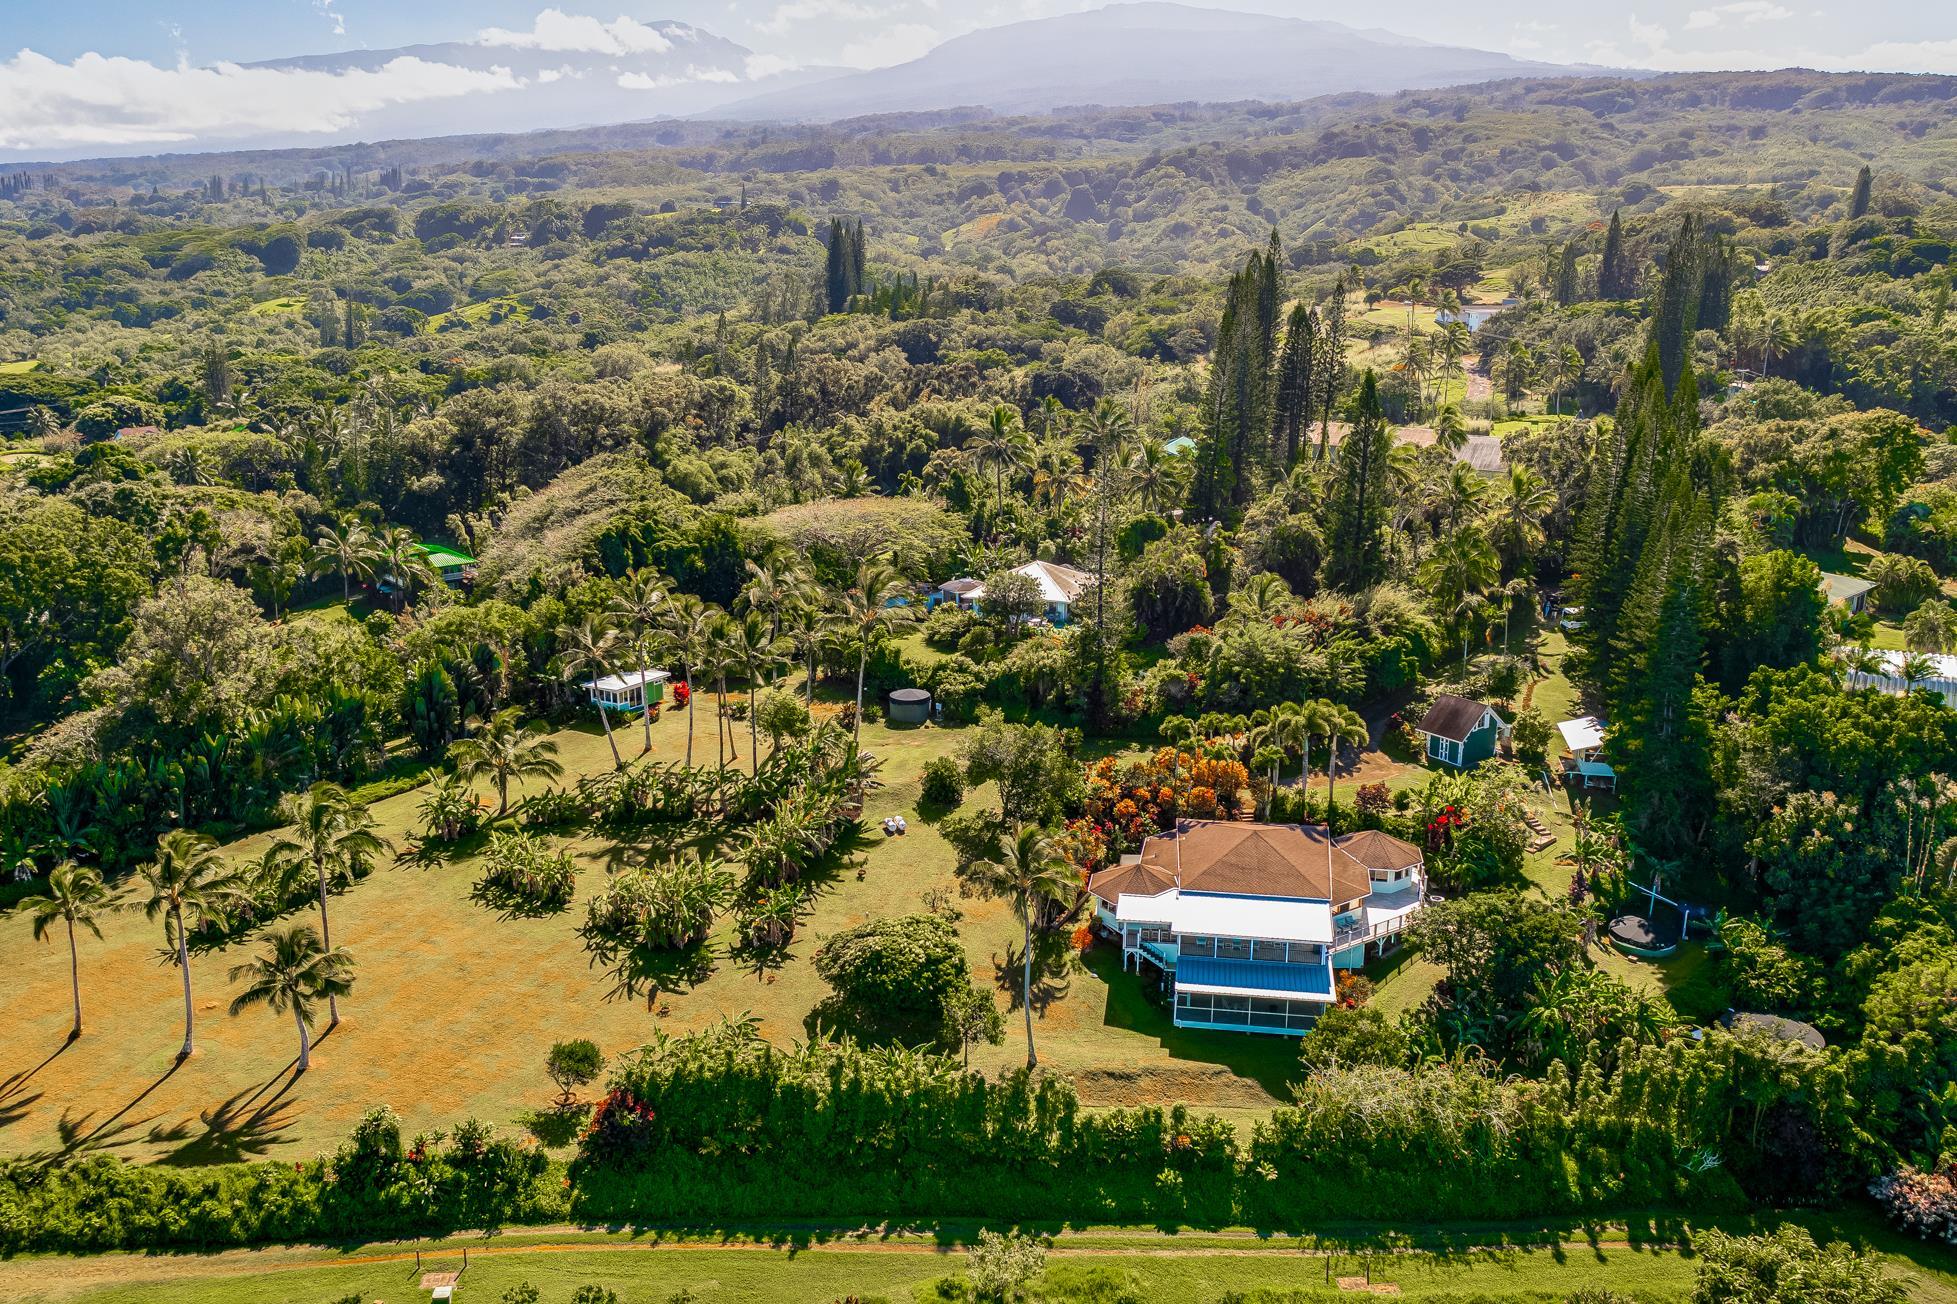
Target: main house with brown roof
{"x":1248,"y":922}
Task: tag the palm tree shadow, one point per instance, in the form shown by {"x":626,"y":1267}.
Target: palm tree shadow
{"x":82,"y":1134}
{"x":1053,"y":961}
{"x":16,"y":1107}
{"x":13,"y":1085}
{"x":244,"y":1127}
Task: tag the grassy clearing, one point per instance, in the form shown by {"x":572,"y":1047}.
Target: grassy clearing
{"x":454,"y":1005}
{"x":1424,"y":1263}
{"x":20,"y":367}
{"x":477,"y":313}
{"x":278,"y":307}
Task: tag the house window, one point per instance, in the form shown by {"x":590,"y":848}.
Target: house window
{"x":1233,"y":948}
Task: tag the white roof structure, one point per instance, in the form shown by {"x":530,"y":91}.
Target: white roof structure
{"x":1941,"y":676}
{"x":1057,"y":583}
{"x":1270,"y":919}
{"x":1582,"y":734}
{"x":630,"y":679}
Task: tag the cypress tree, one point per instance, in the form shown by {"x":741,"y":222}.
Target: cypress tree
{"x":1296,"y":387}
{"x":1356,"y":512}
{"x":1616,"y":278}
{"x":835,"y":271}
{"x":1567,"y":291}
{"x":1329,"y":372}
{"x":1858,"y":199}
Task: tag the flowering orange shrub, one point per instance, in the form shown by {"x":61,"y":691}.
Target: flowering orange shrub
{"x":1134,"y":798}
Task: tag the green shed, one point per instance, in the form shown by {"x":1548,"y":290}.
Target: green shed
{"x":1460,"y":731}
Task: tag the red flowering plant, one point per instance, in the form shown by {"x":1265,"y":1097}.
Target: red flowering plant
{"x":682,"y":692}
{"x":620,"y":1126}
{"x":1924,"y":1203}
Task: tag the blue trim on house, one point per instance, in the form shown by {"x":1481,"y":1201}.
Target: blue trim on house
{"x":1258,"y":975}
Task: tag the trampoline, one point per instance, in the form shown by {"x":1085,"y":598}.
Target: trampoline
{"x":1637,"y":936}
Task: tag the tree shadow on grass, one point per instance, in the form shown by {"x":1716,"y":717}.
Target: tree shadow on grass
{"x":645,"y":972}
{"x":1053,"y":967}
{"x":556,"y":1127}
{"x":510,"y":905}
{"x":1271,"y":1062}
{"x":246,"y":1126}
{"x":82,"y":1134}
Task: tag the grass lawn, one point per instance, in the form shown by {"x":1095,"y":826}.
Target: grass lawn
{"x":19,"y":367}
{"x":278,"y":307}
{"x":1492,"y":1263}
{"x":455,"y":1005}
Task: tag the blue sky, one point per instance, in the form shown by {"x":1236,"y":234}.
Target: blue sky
{"x":81,"y":77}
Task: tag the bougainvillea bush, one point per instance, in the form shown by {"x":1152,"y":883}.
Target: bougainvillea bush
{"x":1921,"y":1202}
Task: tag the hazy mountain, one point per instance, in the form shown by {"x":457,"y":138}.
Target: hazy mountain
{"x":1147,"y":53}
{"x":674,"y":70}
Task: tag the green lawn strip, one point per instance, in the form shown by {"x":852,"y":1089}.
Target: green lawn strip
{"x":1650,"y":1258}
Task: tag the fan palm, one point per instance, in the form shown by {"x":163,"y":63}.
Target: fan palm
{"x":332,"y":835}
{"x":639,"y":607}
{"x":591,"y":648}
{"x":296,"y":969}
{"x":1027,"y":869}
{"x":866,"y":613}
{"x":75,"y":897}
{"x":503,"y":749}
{"x":185,"y":884}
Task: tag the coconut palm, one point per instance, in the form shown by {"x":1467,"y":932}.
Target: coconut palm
{"x":1914,"y":668}
{"x":866,"y":613}
{"x":755,"y":653}
{"x":1450,"y":428}
{"x":591,"y":647}
{"x":808,"y":623}
{"x":185,"y":884}
{"x":333,"y":835}
{"x":505,"y":748}
{"x":1027,"y":869}
{"x":1517,"y":520}
{"x":351,"y":551}
{"x":1267,"y":758}
{"x":400,"y":557}
{"x":1462,"y":566}
{"x":1341,"y":722}
{"x":688,"y":623}
{"x":75,"y":897}
{"x":1003,"y":446}
{"x":771,"y":589}
{"x":296,"y":969}
{"x":638,"y":608}
{"x":1460,"y":493}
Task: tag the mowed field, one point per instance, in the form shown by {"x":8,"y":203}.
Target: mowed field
{"x":455,"y":1004}
{"x":1653,"y":1265}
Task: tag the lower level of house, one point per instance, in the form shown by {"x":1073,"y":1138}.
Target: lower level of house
{"x":1233,"y":984}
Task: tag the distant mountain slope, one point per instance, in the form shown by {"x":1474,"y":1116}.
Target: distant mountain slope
{"x":682,"y":70}
{"x":1144,"y":53}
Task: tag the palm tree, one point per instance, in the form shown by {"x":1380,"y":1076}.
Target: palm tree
{"x":75,"y":896}
{"x":688,"y":622}
{"x":639,"y":608}
{"x":1519,"y":587}
{"x":1450,"y":428}
{"x":1519,"y":516}
{"x":1267,"y":758}
{"x":771,"y":590}
{"x":866,"y":612}
{"x":400,"y":555}
{"x":1340,"y":722}
{"x":333,"y":835}
{"x":350,"y":551}
{"x":756,"y":653}
{"x":1463,"y":565}
{"x":1177,"y":731}
{"x":1028,"y":869}
{"x":296,"y":969}
{"x":591,"y":648}
{"x":186,"y":882}
{"x":808,"y":624}
{"x":1914,"y":668}
{"x":1004,"y":446}
{"x":504,"y":749}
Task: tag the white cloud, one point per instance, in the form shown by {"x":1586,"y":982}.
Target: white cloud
{"x":553,"y":29}
{"x":100,"y":100}
{"x":1743,"y":12}
{"x":898,"y":43}
{"x":326,"y":11}
{"x":795,"y":12}
{"x":638,"y":81}
{"x":768,"y":65}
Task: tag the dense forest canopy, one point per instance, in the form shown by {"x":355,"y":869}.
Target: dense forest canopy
{"x":1570,"y":396}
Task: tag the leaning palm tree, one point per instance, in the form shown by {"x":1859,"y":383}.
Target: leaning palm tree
{"x":185,"y":884}
{"x":296,"y":969}
{"x":503,"y":749}
{"x":350,"y":551}
{"x":75,"y":897}
{"x":866,"y":612}
{"x":591,"y":648}
{"x":1027,"y":869}
{"x":688,"y":622}
{"x":399,"y":555}
{"x":639,"y":608}
{"x":333,"y":835}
